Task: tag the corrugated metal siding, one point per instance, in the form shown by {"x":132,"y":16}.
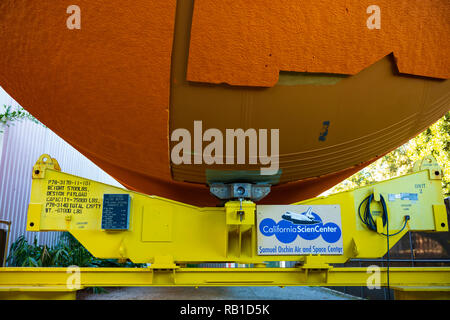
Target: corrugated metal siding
{"x":23,"y":143}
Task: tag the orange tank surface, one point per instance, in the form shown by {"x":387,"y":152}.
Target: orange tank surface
{"x":342,"y":81}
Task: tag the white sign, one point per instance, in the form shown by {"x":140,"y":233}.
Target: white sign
{"x":299,"y":230}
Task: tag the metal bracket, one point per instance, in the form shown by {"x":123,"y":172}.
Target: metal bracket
{"x":248,"y":191}
{"x":44,"y":162}
{"x":429,"y":163}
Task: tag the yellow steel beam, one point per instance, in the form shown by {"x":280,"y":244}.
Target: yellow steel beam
{"x":143,"y":277}
{"x":422,"y":293}
{"x":37,"y":293}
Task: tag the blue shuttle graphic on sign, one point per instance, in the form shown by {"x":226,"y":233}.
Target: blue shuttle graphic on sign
{"x":307,"y":225}
{"x":302,"y":218}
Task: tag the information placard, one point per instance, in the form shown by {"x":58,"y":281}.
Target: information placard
{"x":116,"y":211}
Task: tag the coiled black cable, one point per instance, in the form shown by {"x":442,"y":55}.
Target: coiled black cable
{"x":367,"y":219}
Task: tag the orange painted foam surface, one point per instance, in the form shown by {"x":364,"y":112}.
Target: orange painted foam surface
{"x":241,"y":42}
{"x":104,"y":88}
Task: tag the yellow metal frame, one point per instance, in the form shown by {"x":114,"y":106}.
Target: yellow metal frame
{"x":422,"y":293}
{"x":29,"y":283}
{"x":213,"y":277}
{"x":168,"y":235}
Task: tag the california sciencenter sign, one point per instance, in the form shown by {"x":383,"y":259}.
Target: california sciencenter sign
{"x":299,"y":230}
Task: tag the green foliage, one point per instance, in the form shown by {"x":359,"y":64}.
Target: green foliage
{"x":9,"y":115}
{"x":435,"y":141}
{"x":68,"y":252}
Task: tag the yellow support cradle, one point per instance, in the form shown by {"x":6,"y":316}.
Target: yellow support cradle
{"x":168,"y":235}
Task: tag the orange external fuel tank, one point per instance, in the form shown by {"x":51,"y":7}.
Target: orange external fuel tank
{"x":343,"y":81}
